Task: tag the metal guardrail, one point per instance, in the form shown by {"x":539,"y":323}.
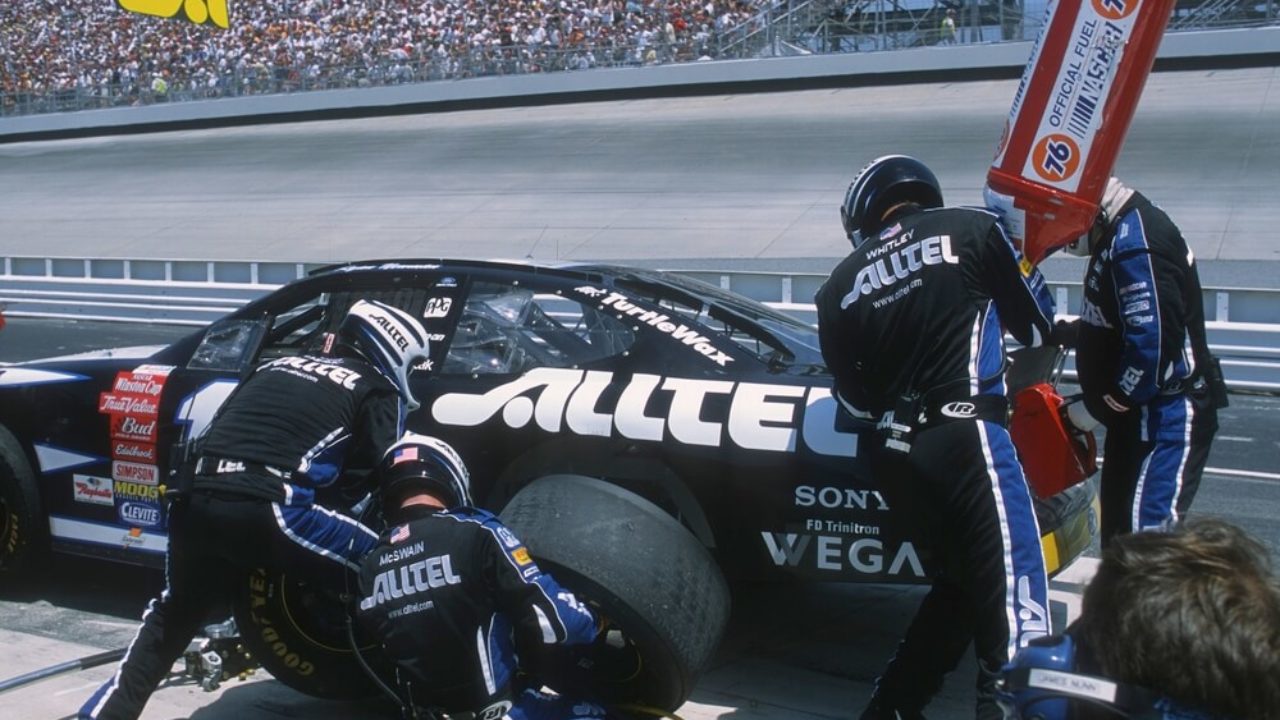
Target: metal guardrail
{"x":1243,"y":323}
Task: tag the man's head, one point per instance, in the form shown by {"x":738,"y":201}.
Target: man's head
{"x":1114,"y":196}
{"x":423,"y":465}
{"x":390,"y":339}
{"x":1184,"y":624}
{"x":881,"y":187}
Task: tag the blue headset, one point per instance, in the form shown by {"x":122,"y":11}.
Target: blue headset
{"x":1043,"y":683}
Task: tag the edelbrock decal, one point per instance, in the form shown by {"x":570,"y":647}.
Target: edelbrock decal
{"x":662,"y":323}
{"x":760,"y":416}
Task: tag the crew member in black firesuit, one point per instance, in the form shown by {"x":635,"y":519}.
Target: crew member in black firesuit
{"x":1144,"y":364}
{"x":911,"y":326}
{"x":297,"y":424}
{"x":448,"y":588}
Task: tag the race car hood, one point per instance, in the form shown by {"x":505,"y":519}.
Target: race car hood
{"x":134,"y":352}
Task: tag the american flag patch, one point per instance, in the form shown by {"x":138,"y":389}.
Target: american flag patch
{"x":400,"y":534}
{"x":404,"y":454}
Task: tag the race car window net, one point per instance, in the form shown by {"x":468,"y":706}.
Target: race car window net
{"x":509,"y":329}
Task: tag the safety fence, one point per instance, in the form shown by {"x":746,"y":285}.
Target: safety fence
{"x":780,"y":27}
{"x":1243,"y":323}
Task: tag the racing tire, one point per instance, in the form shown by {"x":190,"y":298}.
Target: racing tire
{"x":298,"y":633}
{"x":666,"y":600}
{"x":22,"y":530}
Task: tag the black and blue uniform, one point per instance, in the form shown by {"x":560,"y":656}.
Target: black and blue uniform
{"x":293,"y":428}
{"x":447,"y":592}
{"x":911,"y":326}
{"x":1142,"y":358}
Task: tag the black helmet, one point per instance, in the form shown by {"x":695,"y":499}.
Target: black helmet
{"x":886,"y":182}
{"x":426,"y":464}
{"x":392,"y":340}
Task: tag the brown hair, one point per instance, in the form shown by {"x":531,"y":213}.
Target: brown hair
{"x":1193,"y":613}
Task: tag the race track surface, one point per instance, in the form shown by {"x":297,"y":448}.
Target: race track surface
{"x":755,"y":177}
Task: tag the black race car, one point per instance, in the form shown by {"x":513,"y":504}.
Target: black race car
{"x":646,"y":433}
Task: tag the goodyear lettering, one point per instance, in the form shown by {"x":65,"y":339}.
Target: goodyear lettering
{"x":411,"y":579}
{"x":900,"y":265}
{"x":346,"y":377}
{"x":831,"y":553}
{"x":760,"y":416}
{"x":663,"y":324}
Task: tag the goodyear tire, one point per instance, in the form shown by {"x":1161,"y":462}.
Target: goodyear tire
{"x":297,"y":632}
{"x":662,"y":592}
{"x":22,"y":529}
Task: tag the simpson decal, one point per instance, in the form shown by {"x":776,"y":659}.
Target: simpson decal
{"x":135,"y":472}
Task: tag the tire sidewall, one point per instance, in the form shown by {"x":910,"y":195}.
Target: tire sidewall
{"x":273,"y":617}
{"x":22,"y":527}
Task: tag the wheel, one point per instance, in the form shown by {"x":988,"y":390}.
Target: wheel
{"x":661,"y":590}
{"x":22,"y":527}
{"x":298,"y":633}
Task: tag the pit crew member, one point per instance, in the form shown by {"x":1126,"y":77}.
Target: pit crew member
{"x":294,"y":426}
{"x":1144,"y":364}
{"x":911,"y":325}
{"x":448,"y":588}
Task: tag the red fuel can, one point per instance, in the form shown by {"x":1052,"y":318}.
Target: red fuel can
{"x":1069,"y":117}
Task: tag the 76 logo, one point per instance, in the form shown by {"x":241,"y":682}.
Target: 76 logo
{"x":1055,"y":157}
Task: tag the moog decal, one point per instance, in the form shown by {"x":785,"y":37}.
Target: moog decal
{"x":759,"y":417}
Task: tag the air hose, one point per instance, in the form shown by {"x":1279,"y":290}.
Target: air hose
{"x":84,"y":663}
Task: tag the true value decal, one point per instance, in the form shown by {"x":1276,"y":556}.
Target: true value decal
{"x":760,"y":416}
{"x":657,"y":320}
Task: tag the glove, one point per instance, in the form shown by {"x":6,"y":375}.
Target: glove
{"x":1079,"y":416}
{"x":1114,"y":197}
{"x":1065,"y":333}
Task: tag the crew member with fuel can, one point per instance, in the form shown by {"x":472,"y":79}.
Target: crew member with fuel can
{"x":1144,"y":364}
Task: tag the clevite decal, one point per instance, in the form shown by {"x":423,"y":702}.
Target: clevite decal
{"x":760,"y":416}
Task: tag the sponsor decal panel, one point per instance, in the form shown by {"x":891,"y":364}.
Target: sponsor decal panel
{"x":92,"y":490}
{"x":408,"y":580}
{"x":132,"y":407}
{"x":759,"y":416}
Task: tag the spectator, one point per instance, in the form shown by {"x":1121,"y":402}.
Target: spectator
{"x":1187,"y":621}
{"x":94,"y":48}
{"x":948,"y":30}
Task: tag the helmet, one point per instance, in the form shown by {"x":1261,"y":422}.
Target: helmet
{"x":427,"y":464}
{"x":886,"y":182}
{"x":1043,"y":683}
{"x":392,"y":340}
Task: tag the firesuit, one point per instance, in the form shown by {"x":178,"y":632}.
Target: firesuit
{"x":294,"y":426}
{"x":911,"y":326}
{"x":447,"y":592}
{"x":1144,"y":365}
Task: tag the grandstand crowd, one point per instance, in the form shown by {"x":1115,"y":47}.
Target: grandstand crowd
{"x":93,"y":48}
